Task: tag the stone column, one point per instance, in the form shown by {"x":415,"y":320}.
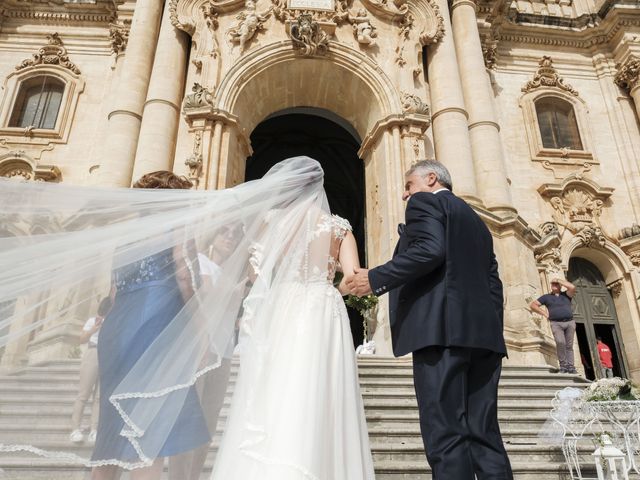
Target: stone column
{"x":449,"y":116}
{"x":124,"y":119}
{"x":484,"y":130}
{"x":156,"y":142}
{"x":628,"y":78}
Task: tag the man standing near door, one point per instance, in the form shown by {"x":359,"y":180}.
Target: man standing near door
{"x":558,"y":312}
{"x":606,"y":362}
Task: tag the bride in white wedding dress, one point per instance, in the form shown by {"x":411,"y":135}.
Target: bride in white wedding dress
{"x":296,"y":412}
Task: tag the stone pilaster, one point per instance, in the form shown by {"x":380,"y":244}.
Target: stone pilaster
{"x":125,"y":117}
{"x":449,"y":116}
{"x":156,"y":143}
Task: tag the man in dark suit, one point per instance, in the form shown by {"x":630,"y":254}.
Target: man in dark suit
{"x":445,"y":307}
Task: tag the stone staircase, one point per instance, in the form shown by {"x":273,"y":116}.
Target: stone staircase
{"x":35,"y":407}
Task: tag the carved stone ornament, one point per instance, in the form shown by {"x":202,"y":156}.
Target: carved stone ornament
{"x":119,"y":37}
{"x":250,"y":22}
{"x":413,"y":104}
{"x":490,"y":53}
{"x":308,"y":37}
{"x":363,"y":29}
{"x":628,"y":76}
{"x":577,"y":203}
{"x":18,"y":165}
{"x":200,"y":97}
{"x":635,"y":258}
{"x":592,"y":236}
{"x":405,"y":26}
{"x":548,"y":228}
{"x":546,"y":76}
{"x":338,"y":14}
{"x":53,"y":53}
{"x":550,"y":258}
{"x":615,"y":288}
{"x":629,"y":232}
{"x":194,"y":162}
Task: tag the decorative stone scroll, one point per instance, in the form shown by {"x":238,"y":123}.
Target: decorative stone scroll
{"x":547,"y":76}
{"x":53,"y":53}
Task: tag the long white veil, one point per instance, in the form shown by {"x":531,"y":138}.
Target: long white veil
{"x":63,"y":248}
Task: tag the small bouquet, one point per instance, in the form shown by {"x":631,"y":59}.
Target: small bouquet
{"x":361,"y":304}
{"x":610,"y":389}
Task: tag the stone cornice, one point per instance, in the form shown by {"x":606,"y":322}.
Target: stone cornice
{"x":102,"y":11}
{"x":419,"y":121}
{"x":551,"y":31}
{"x":508,"y":224}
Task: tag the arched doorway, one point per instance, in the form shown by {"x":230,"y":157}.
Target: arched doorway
{"x":329,"y":139}
{"x":595,"y":316}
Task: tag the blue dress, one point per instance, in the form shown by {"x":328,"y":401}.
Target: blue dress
{"x":146,"y":301}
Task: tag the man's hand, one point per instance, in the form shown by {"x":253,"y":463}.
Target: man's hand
{"x":358,"y":283}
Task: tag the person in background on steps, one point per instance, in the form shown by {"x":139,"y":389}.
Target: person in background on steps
{"x":89,"y":376}
{"x":558,"y":312}
{"x":606,"y":362}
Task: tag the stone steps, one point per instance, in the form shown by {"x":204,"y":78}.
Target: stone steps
{"x":525,"y":396}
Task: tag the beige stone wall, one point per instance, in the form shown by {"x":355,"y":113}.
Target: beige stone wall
{"x":160,"y":101}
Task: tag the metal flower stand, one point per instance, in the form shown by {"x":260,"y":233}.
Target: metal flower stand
{"x":612,"y":427}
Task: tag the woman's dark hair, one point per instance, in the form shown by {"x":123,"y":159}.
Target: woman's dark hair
{"x":162,"y":179}
{"x":104,"y":306}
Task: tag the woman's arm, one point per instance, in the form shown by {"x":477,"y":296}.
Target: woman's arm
{"x":184,"y":275}
{"x":348,"y":258}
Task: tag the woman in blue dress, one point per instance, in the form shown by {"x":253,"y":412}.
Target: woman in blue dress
{"x":149,"y":295}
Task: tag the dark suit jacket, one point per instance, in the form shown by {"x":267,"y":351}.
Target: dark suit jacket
{"x":443,"y":279}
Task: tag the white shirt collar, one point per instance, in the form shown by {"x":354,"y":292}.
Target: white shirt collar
{"x":440,"y":190}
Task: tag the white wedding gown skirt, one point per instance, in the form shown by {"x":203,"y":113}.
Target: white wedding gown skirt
{"x":297,"y":412}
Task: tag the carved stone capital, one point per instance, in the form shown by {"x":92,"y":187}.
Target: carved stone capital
{"x":628,"y":76}
{"x":53,"y":53}
{"x":490,"y":53}
{"x":119,"y":37}
{"x":547,"y":76}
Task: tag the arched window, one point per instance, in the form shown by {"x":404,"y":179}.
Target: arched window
{"x":558,"y":124}
{"x":38,"y":103}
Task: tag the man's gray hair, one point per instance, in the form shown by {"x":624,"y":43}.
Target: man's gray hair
{"x":425,"y":167}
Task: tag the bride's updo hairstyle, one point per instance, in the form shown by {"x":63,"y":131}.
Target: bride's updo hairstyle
{"x":162,"y":179}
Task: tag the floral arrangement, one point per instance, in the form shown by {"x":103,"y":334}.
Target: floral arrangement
{"x":609,"y":389}
{"x":361,"y":304}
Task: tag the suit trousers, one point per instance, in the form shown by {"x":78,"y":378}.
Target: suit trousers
{"x":457,"y":392}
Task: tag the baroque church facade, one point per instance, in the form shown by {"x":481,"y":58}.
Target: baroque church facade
{"x":531,"y":104}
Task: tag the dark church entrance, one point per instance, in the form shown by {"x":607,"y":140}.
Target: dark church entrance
{"x":596,"y":317}
{"x":330,"y":140}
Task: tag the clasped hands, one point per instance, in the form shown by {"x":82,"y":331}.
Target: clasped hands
{"x":358,"y":282}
